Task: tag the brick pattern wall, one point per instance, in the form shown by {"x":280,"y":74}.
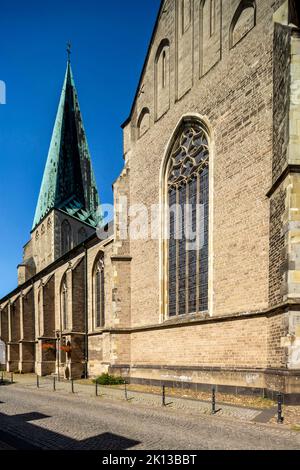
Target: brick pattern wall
{"x":281,"y":100}
{"x":78,"y":295}
{"x":235,"y":91}
{"x":278,"y":329}
{"x":227,"y":344}
{"x":236,"y":99}
{"x":48,"y":322}
{"x":29,"y":316}
{"x":4,"y":324}
{"x":15,"y":320}
{"x":277,"y":247}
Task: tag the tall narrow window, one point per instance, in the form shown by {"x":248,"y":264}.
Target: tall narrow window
{"x":99,"y":295}
{"x":64,"y":304}
{"x":162,"y":78}
{"x":164,"y":68}
{"x":40,"y":310}
{"x":188,"y":199}
{"x":65,"y":237}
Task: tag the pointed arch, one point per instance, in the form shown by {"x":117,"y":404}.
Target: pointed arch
{"x":99,"y":291}
{"x":185,"y":243}
{"x":162,"y":78}
{"x":243,"y":21}
{"x":143,"y":123}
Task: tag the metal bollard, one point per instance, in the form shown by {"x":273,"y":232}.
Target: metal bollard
{"x":37,"y":382}
{"x":125,"y":390}
{"x":280,"y":418}
{"x":54,"y":384}
{"x":96,"y":389}
{"x":72,"y":385}
{"x":163,"y":395}
{"x":213,"y":401}
{"x":12,"y":378}
{"x":2,"y":378}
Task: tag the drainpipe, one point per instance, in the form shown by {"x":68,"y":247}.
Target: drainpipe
{"x":86,"y":323}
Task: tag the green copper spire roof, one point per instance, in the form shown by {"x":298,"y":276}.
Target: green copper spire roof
{"x":69,"y":182}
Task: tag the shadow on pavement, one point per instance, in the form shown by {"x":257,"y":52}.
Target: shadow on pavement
{"x":16,"y":429}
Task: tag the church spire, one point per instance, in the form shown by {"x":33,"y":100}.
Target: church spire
{"x":69,"y":45}
{"x":68,"y":183}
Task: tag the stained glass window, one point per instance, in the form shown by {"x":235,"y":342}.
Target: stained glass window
{"x":188,"y":199}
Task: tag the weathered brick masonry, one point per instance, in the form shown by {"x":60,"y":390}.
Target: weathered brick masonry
{"x":232,"y":67}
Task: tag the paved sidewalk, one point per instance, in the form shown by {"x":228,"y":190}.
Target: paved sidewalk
{"x":43,"y":419}
{"x":148,"y":399}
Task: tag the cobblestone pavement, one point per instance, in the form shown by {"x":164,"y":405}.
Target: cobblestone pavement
{"x":61,"y":420}
{"x":149,"y":399}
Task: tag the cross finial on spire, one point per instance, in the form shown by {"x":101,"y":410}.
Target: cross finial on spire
{"x":69,"y":51}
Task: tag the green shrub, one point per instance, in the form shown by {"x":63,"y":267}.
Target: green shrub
{"x":106,"y":379}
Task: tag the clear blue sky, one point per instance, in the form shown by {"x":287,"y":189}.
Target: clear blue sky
{"x":109,"y":43}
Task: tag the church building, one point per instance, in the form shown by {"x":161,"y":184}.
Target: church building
{"x":214,"y":124}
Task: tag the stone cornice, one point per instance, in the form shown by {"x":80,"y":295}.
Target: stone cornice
{"x":289,"y":169}
{"x":201,"y":319}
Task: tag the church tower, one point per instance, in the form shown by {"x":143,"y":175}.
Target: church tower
{"x":67,"y":210}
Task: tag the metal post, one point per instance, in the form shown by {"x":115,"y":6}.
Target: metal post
{"x":213,"y":401}
{"x":96,"y":389}
{"x":37,"y":382}
{"x":54,"y":384}
{"x":280,"y":418}
{"x":125,"y":390}
{"x":12,"y":378}
{"x":72,"y":385}
{"x":163,"y":395}
{"x":2,"y":378}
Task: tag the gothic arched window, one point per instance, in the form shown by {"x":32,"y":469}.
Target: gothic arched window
{"x":187,"y":180}
{"x":64,"y":304}
{"x":65,"y":237}
{"x":162,"y":79}
{"x":99,"y":294}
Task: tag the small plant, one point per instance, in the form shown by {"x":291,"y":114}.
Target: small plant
{"x":106,"y":379}
{"x":67,"y":349}
{"x":49,"y":347}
